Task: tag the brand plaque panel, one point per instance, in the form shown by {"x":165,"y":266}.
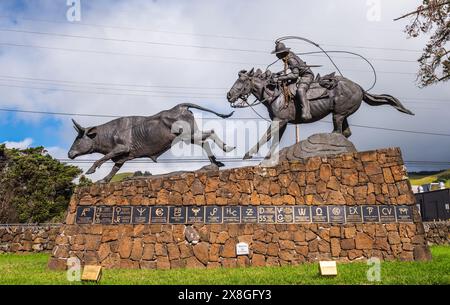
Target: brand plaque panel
{"x":337,"y":214}
{"x":103,"y":215}
{"x":213,"y":214}
{"x":249,"y":214}
{"x":177,"y":215}
{"x":403,"y":213}
{"x":284,"y":214}
{"x":243,"y":214}
{"x":122,"y":215}
{"x":266,"y":214}
{"x":370,"y":213}
{"x":141,"y":215}
{"x":319,"y":213}
{"x":159,"y":214}
{"x":232,"y":214}
{"x":353,"y":214}
{"x":302,"y":214}
{"x":387,"y":213}
{"x":85,"y":215}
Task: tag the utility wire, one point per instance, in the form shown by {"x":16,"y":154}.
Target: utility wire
{"x":185,"y":45}
{"x":324,"y":121}
{"x":103,"y":26}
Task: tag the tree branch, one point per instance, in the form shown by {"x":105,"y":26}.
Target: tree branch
{"x":421,"y":10}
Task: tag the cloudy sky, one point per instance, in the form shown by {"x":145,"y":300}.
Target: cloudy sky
{"x":139,"y":57}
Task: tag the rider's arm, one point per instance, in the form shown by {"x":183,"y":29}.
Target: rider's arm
{"x":293,"y":75}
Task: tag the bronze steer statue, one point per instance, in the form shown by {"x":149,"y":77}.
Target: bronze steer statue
{"x":133,"y":137}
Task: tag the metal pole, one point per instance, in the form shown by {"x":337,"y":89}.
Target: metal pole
{"x":297,"y":133}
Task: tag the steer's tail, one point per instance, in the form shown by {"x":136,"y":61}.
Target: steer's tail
{"x":189,"y":105}
{"x":385,"y":99}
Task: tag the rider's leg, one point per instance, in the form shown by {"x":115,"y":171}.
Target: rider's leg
{"x":301,"y":93}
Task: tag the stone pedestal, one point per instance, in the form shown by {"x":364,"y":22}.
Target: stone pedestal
{"x":107,"y":224}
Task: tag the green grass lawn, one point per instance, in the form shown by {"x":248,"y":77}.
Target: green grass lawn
{"x":419,"y":179}
{"x":32,"y":269}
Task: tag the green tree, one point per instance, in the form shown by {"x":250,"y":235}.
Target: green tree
{"x":34,"y":187}
{"x":433,"y":18}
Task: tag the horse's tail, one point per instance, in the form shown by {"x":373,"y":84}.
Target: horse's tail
{"x":223,"y":116}
{"x":385,"y":99}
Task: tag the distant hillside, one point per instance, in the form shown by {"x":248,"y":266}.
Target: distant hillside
{"x":419,"y":178}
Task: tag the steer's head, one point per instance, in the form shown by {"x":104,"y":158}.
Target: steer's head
{"x":84,"y":143}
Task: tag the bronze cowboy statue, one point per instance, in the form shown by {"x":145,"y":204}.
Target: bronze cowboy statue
{"x":318,"y":97}
{"x":295,"y":72}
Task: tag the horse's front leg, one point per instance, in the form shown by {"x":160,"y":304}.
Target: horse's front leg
{"x":281,"y":129}
{"x":264,"y":139}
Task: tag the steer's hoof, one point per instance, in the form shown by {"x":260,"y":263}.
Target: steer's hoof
{"x":247,"y":156}
{"x":229,"y":148}
{"x":90,"y":171}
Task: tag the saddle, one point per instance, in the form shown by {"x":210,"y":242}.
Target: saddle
{"x":317,"y":90}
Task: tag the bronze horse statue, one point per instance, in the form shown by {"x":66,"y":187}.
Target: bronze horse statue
{"x":329,"y":94}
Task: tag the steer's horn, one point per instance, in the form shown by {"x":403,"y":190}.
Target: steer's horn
{"x":77,"y":126}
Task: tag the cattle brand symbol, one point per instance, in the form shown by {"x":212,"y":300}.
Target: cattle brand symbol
{"x":232,"y":214}
{"x":159,"y":215}
{"x":284,"y":214}
{"x":195,"y":214}
{"x":353,"y":214}
{"x":302,"y":214}
{"x":177,"y":215}
{"x":213,"y":214}
{"x":266,"y":215}
{"x":337,"y":214}
{"x":103,"y":215}
{"x":319,"y":214}
{"x":387,"y":213}
{"x":249,"y":214}
{"x":370,"y":213}
{"x":85,"y":215}
{"x":141,"y":215}
{"x":404,"y":213}
{"x":122,"y":215}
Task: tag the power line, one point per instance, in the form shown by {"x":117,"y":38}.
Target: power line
{"x":45,"y":80}
{"x":115,"y":116}
{"x":170,"y":57}
{"x":183,"y":45}
{"x":197,"y":34}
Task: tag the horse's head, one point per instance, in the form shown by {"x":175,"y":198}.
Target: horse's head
{"x":242,"y":88}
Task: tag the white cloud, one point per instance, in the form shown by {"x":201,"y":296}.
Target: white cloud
{"x":19,"y":145}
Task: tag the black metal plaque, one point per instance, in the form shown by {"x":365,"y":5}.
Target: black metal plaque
{"x":177,"y":215}
{"x":319,"y":214}
{"x":195,"y":214}
{"x":387,"y":213}
{"x":159,"y":214}
{"x":353,"y":214}
{"x":370,"y":213}
{"x":122,"y":215}
{"x":213,"y":214}
{"x":103,"y":215}
{"x":336,"y":213}
{"x":302,"y":214}
{"x":266,"y":214}
{"x":404,"y":213}
{"x":141,"y":215}
{"x":249,"y":214}
{"x":284,"y":214}
{"x":85,"y":215}
{"x":232,"y":214}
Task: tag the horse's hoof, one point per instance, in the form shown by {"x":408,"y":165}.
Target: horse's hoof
{"x":247,"y":156}
{"x":306,"y":117}
{"x":219,"y":164}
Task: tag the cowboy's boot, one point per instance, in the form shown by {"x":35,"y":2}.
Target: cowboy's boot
{"x":306,"y":110}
